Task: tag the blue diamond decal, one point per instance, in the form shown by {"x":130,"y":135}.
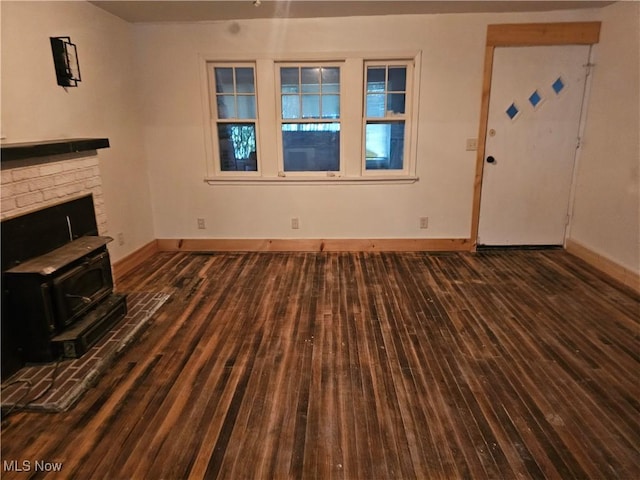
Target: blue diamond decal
{"x":535,"y":99}
{"x":558,"y":85}
{"x":512,"y":111}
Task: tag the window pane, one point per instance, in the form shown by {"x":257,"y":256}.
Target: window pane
{"x":311,"y":147}
{"x":375,"y":105}
{"x":290,"y":106}
{"x":310,"y":80}
{"x":289,"y":80}
{"x":375,"y":79}
{"x":246,"y":106}
{"x":395,"y":102}
{"x":237,"y":147}
{"x":310,"y":92}
{"x":330,"y":106}
{"x":310,"y":106}
{"x":244,"y":80}
{"x":384,"y":144}
{"x":226,"y":106}
{"x":397,"y":79}
{"x":224,"y":80}
{"x":330,"y":80}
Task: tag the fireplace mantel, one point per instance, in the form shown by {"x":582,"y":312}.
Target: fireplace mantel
{"x":45,"y":148}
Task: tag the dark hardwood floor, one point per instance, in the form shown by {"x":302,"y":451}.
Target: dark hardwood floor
{"x":501,"y":364}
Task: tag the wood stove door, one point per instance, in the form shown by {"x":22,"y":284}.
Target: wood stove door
{"x":81,"y":288}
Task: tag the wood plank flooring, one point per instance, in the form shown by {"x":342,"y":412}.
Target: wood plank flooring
{"x":500,"y":364}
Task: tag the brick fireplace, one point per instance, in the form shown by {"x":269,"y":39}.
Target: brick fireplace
{"x":26,"y":187}
{"x":57,"y":297}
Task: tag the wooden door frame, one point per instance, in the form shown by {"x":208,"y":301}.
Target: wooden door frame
{"x":518,"y":35}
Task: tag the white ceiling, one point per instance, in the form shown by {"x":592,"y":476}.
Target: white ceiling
{"x":194,"y":11}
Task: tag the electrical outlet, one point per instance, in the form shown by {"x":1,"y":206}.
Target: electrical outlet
{"x":121,"y":238}
{"x":472,"y":144}
{"x":424,"y":222}
{"x":295,"y":223}
{"x":201,"y":225}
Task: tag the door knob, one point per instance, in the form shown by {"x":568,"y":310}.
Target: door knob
{"x":490,"y":159}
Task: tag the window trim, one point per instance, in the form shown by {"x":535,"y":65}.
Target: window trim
{"x":269,"y":148}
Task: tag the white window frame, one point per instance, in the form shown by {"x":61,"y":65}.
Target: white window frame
{"x":408,"y":157}
{"x":281,"y":121}
{"x":215,"y":120}
{"x":352,"y":119}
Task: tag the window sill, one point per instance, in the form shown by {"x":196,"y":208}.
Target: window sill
{"x":365,"y":180}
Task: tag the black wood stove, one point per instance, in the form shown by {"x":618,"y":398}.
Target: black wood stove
{"x":58,"y":297}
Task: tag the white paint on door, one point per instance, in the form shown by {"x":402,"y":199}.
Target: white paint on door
{"x":534,"y":119}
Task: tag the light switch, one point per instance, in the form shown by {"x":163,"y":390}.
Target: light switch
{"x":472,"y":144}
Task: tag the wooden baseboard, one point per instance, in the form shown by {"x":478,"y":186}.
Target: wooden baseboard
{"x":121,"y":267}
{"x":128,"y":263}
{"x":314,"y":245}
{"x":623,"y":275}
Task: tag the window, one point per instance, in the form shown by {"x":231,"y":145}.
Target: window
{"x":386,"y":116}
{"x":310,"y":117}
{"x":235,"y":114}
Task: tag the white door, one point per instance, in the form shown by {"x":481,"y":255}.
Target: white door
{"x":532,"y":135}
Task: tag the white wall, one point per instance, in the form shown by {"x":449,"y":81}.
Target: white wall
{"x":104,"y":104}
{"x":453,"y":52}
{"x":164,"y":58}
{"x":607,"y":203}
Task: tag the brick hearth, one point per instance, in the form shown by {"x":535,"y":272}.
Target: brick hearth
{"x":73,"y":377}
